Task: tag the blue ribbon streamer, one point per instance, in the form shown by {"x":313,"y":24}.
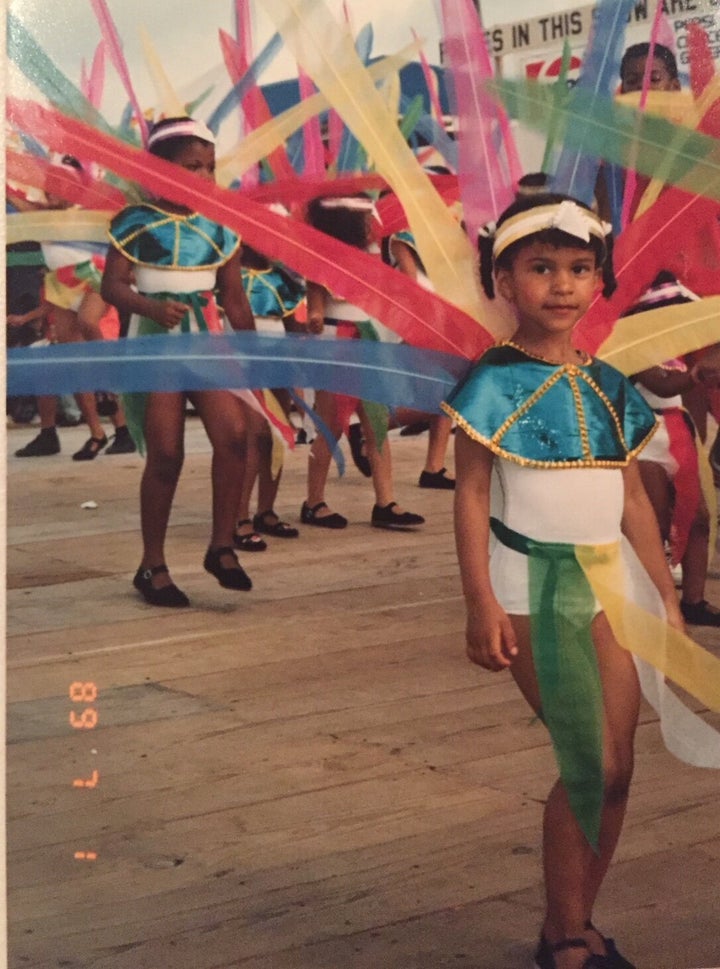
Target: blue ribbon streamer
{"x":576,"y":172}
{"x":392,"y":374}
{"x":246,"y":82}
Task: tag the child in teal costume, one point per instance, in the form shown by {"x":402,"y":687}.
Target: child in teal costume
{"x":546,"y":469}
{"x":163,"y":267}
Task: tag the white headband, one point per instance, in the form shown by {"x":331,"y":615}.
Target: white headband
{"x":567,"y":216}
{"x":664,"y":292}
{"x":182,"y":128}
{"x":353,"y":203}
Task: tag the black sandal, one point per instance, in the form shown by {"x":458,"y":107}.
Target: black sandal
{"x":545,"y":955}
{"x":309,"y":516}
{"x":279,"y":529}
{"x":90,"y":449}
{"x":236,"y":578}
{"x":168,"y":595}
{"x":250,"y":542}
{"x":613,"y":958}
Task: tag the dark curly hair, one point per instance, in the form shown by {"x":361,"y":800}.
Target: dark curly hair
{"x":552,"y":237}
{"x":347,"y":225}
{"x":169,"y":148}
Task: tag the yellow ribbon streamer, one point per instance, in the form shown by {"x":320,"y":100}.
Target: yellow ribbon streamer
{"x":648,"y":339}
{"x":69,"y":225}
{"x":261,"y":142}
{"x":328,"y":55}
{"x":680,"y":659}
{"x":170,"y":104}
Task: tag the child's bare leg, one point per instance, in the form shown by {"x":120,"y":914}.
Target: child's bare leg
{"x":256,"y":425}
{"x":47,"y":409}
{"x":88,"y":409}
{"x":163,"y":428}
{"x":659,"y":491}
{"x":695,"y":559}
{"x":573,"y":872}
{"x":89,"y":314}
{"x":224,"y":418}
{"x":438,"y":436}
{"x":320,"y":456}
{"x":380,"y":462}
{"x":621,"y":691}
{"x":267,"y":485}
{"x":380,"y":465}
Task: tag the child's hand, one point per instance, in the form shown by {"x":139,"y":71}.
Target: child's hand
{"x":15,"y":319}
{"x":709,"y":376}
{"x":673,"y":615}
{"x":169,"y":312}
{"x":490,"y":638}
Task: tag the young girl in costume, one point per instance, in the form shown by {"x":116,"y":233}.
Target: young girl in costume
{"x":164,"y":265}
{"x":274,"y":294}
{"x":553,"y":434}
{"x":349,"y":220}
{"x":72,"y":309}
{"x":670,"y":464}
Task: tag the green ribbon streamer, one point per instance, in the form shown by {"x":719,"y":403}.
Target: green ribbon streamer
{"x":562,"y":606}
{"x":688,"y":159}
{"x":376,"y":413}
{"x":134,"y":403}
{"x":35,"y":64}
{"x":23,"y":259}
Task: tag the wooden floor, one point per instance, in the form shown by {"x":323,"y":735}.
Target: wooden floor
{"x":306,"y":776}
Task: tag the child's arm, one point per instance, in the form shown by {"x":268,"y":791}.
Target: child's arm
{"x":117,"y":289}
{"x":667,"y":383}
{"x":404,"y":257}
{"x":640,"y":526}
{"x":489,"y":634}
{"x":20,"y":319}
{"x":316,"y":297}
{"x":232,"y":294}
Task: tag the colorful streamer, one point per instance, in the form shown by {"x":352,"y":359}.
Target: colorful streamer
{"x":419,"y":317}
{"x":483,"y":198}
{"x":329,"y":57}
{"x":31,"y":59}
{"x":393,"y":374}
{"x":114,"y":44}
{"x":578,"y":165}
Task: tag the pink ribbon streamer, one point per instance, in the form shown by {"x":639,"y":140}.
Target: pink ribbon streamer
{"x":114,"y":44}
{"x":486,"y":185}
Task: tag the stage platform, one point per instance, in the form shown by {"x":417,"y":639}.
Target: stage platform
{"x":307,"y":776}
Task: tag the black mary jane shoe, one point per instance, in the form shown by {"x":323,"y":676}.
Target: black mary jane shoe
{"x":309,"y":516}
{"x":279,"y":528}
{"x":168,"y":595}
{"x":613,"y":958}
{"x":700,"y":613}
{"x":387,"y":517}
{"x":250,"y":541}
{"x":436,"y":479}
{"x":545,"y":954}
{"x":233,"y":578}
{"x":90,"y":449}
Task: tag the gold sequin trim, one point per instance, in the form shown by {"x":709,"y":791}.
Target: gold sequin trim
{"x":168,"y":218}
{"x":589,"y":462}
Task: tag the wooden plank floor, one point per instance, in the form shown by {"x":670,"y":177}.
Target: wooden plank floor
{"x":307,"y":776}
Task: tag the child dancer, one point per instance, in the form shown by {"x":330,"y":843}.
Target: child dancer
{"x":557,"y":433}
{"x":273,"y":294}
{"x":176,"y":259}
{"x":349,"y":220}
{"x":669,"y":466}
